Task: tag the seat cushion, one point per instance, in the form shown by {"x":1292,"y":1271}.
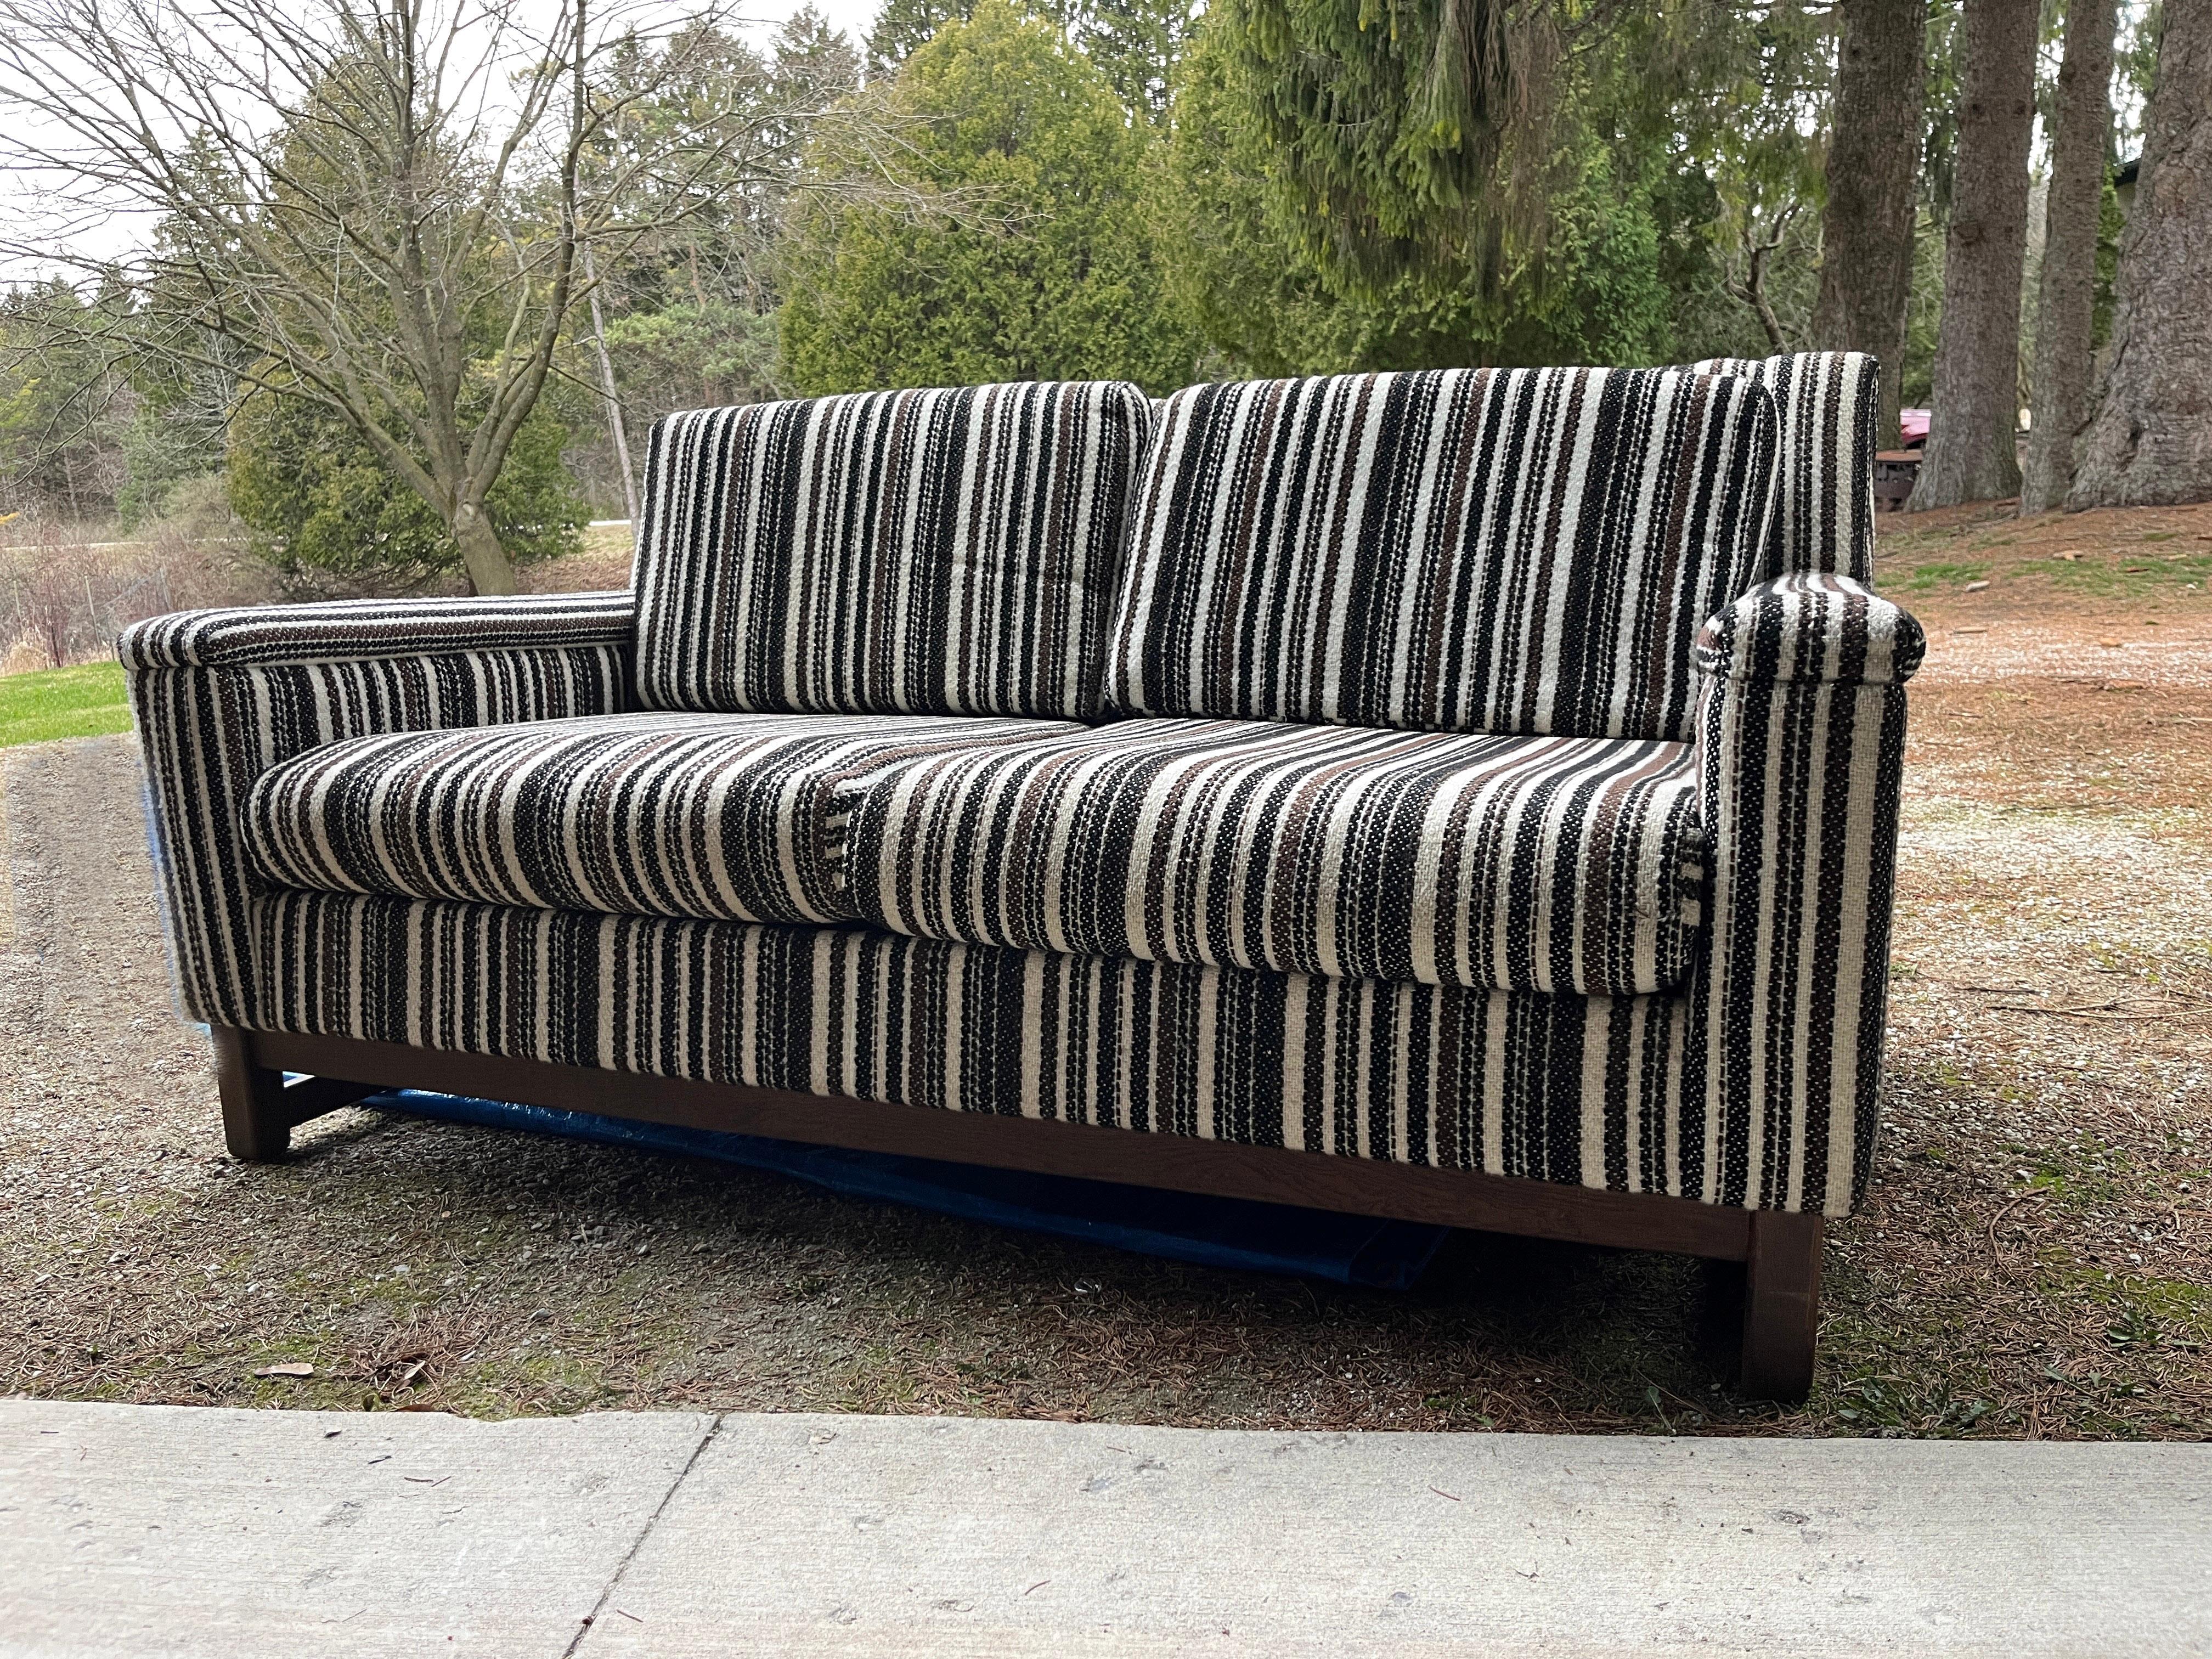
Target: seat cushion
{"x":720,"y":817}
{"x":951,"y":551}
{"x":1545,"y":863}
{"x":1520,"y":551}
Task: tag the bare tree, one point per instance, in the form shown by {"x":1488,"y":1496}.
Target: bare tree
{"x":379,"y":205}
{"x":2066,"y":298}
{"x":2149,"y":442}
{"x":1975,"y":411}
{"x":1874,"y":154}
{"x":50,"y":594}
{"x":1747,"y":281}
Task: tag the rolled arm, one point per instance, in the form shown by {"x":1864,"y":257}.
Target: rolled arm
{"x":221,"y":696}
{"x":357,"y":629}
{"x":1815,"y":627}
{"x":1801,"y":741}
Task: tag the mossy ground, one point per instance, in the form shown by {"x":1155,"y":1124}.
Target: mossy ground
{"x":2034,"y":1258}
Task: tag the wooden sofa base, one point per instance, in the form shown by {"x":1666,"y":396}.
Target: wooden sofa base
{"x":1780,"y":1253}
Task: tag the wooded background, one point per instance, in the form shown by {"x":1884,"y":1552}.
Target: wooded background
{"x":385,"y":320}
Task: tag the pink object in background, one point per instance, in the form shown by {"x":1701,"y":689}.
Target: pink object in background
{"x":1915,"y":423}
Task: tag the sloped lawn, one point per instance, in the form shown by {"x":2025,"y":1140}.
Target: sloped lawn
{"x":83,"y":701}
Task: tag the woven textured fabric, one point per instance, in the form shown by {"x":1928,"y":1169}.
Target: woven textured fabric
{"x":1828,"y":405}
{"x":1811,"y":626}
{"x":1540,"y":863}
{"x":1565,"y":1089}
{"x":1801,"y":757}
{"x":352,"y":630}
{"x":949,"y":551}
{"x":1523,"y":551}
{"x":730,"y":816}
{"x":209,"y":731}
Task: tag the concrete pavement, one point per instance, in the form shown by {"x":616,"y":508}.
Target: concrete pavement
{"x":152,"y":1531}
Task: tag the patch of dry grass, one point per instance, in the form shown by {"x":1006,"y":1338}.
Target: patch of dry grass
{"x":2034,"y":1259}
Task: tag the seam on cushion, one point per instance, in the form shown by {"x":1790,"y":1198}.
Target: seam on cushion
{"x":1689,"y":867}
{"x":833,"y":840}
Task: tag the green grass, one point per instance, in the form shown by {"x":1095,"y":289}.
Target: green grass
{"x":2133,"y":575}
{"x":83,"y":701}
{"x":1926,"y":577}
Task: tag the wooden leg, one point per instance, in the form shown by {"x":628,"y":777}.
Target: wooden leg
{"x":259,"y":1108}
{"x":1781,"y":1305}
{"x":257,"y":1125}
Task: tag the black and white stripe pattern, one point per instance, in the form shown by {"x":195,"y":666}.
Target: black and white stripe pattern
{"x":731,"y":817}
{"x":1801,"y":753}
{"x":1827,"y":402}
{"x":1544,"y":864}
{"x":354,"y":629}
{"x":1523,"y":551}
{"x":950,"y":552}
{"x":1584,"y":1091}
{"x":1752,"y":1081}
{"x":209,"y":731}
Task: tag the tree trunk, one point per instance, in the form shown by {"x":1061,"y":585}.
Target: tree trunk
{"x":1873,"y":154}
{"x":607,"y":386}
{"x":1975,"y":413}
{"x":2066,"y":303}
{"x":490,"y":570}
{"x":2149,"y":442}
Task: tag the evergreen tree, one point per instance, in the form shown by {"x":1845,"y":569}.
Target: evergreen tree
{"x":326,"y":510}
{"x":2148,"y":441}
{"x":904,"y":26}
{"x":1014,"y":245}
{"x":1598,"y":287}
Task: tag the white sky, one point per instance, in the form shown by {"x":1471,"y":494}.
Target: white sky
{"x":110,"y":235}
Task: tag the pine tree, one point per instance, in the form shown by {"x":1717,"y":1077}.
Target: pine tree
{"x":2150,"y":441}
{"x":1873,"y":153}
{"x":1014,"y":246}
{"x":2067,"y":296}
{"x":1971,"y":454}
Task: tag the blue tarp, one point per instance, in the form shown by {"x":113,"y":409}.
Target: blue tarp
{"x":1211,"y":1232}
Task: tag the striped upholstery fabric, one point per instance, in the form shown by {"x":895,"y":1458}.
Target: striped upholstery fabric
{"x":1569,"y":1089}
{"x":1523,"y":551}
{"x":1541,"y":864}
{"x":1752,"y":1084}
{"x":357,"y":629}
{"x":1828,"y":403}
{"x":732,"y":817}
{"x":1751,"y":1079}
{"x":221,"y":697}
{"x":949,"y":551}
{"x":1801,"y":748}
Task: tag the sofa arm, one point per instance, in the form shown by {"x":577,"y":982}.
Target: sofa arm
{"x":1812,"y":627}
{"x":354,"y":630}
{"x":1801,"y":753}
{"x":221,"y":696}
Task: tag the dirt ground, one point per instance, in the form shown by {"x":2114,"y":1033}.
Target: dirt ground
{"x":2034,"y":1260}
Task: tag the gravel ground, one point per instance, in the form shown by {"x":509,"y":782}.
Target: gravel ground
{"x":2035,"y":1259}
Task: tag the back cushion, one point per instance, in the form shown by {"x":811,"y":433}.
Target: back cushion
{"x":948,"y":552}
{"x":1506,"y":550}
{"x":1826,"y":402}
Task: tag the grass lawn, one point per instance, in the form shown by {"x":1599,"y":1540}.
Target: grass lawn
{"x":84,"y":702}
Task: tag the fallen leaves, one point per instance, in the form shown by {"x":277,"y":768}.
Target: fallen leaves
{"x":291,"y":1368}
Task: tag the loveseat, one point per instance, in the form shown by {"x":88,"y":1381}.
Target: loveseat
{"x":1468,"y":796}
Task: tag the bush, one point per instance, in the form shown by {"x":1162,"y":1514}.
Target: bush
{"x":1023,"y":253}
{"x":322,"y":507}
